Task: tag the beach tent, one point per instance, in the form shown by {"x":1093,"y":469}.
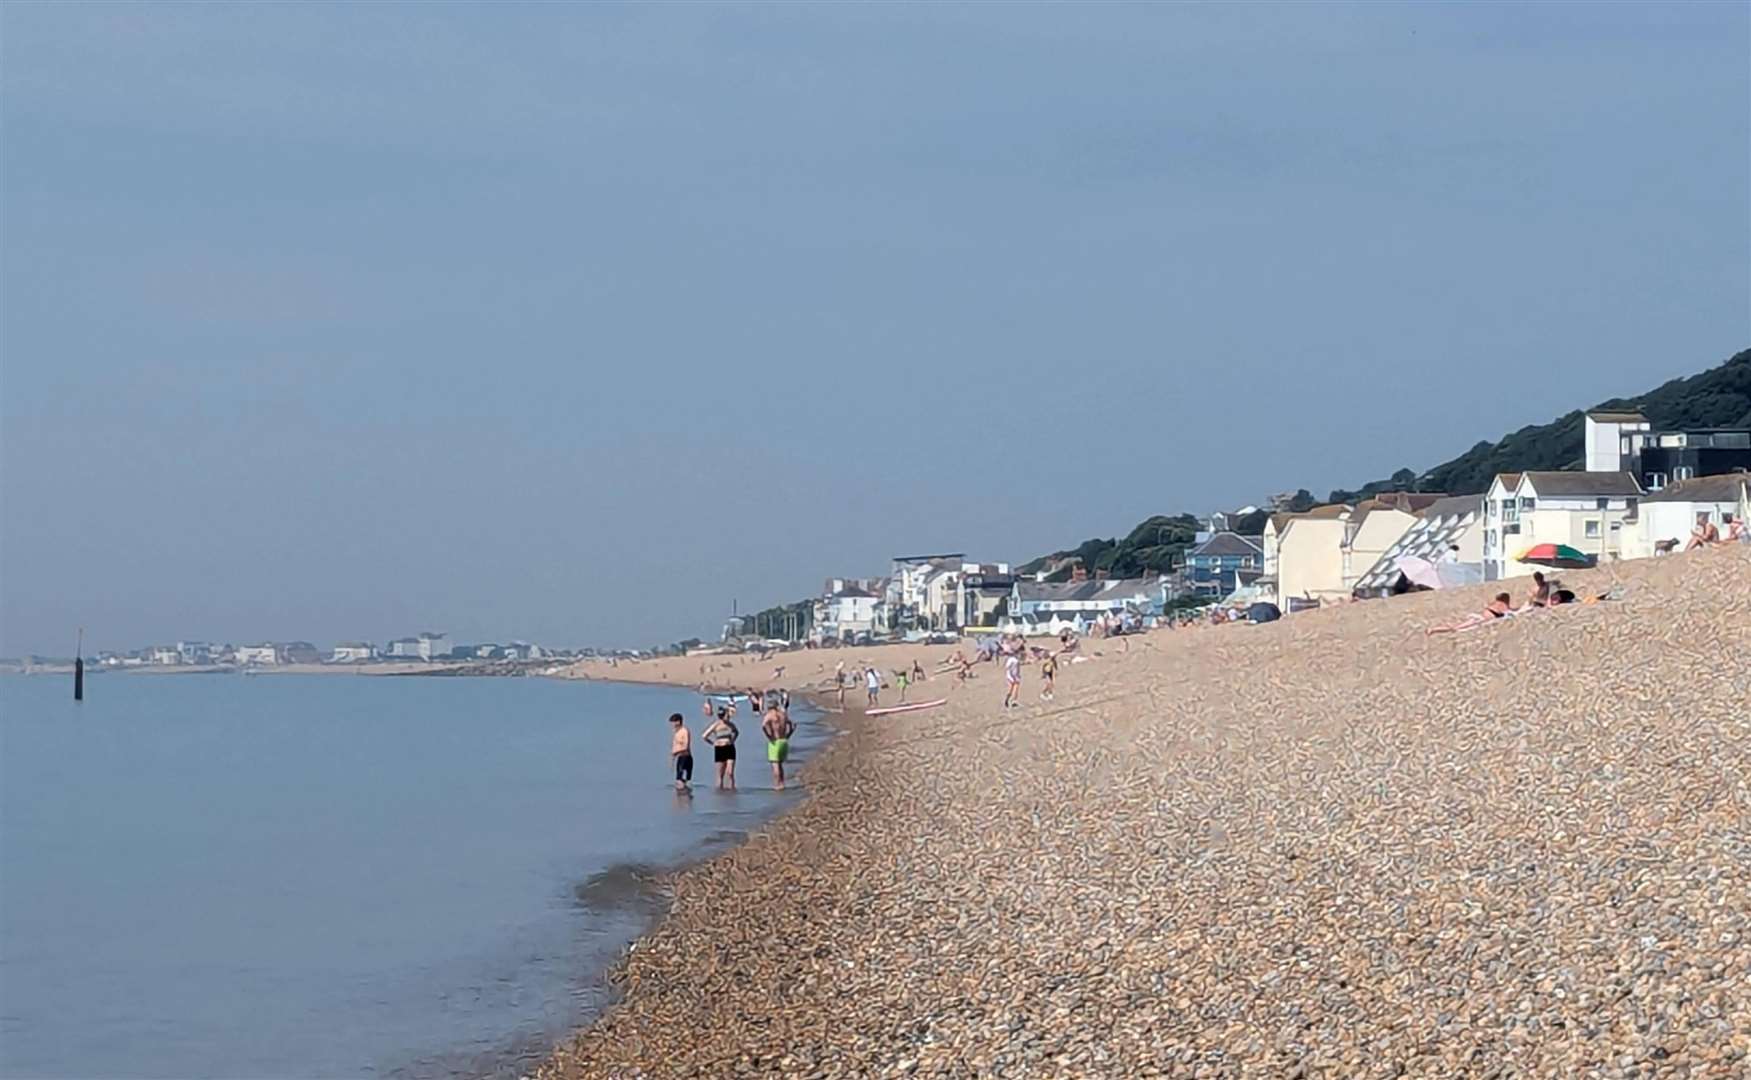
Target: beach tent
{"x":1263,"y":612}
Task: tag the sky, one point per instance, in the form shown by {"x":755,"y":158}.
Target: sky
{"x":578,"y":324}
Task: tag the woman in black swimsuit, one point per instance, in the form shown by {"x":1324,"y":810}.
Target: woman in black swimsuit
{"x":722,"y":737}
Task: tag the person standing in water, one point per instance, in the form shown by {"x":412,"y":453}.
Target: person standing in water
{"x":778,"y":729}
{"x":722,"y":736}
{"x":681,"y":750}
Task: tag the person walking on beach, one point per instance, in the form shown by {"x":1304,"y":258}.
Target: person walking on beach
{"x":918,"y":674}
{"x":722,"y":737}
{"x":1012,"y":680}
{"x":840,"y":681}
{"x":872,"y":681}
{"x":900,"y":681}
{"x":778,"y":729}
{"x":1048,"y":676}
{"x":681,"y":750}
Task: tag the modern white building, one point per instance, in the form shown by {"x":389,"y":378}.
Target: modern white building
{"x":353,"y":652}
{"x":1605,"y":442}
{"x":163,"y":656}
{"x":1587,"y":511}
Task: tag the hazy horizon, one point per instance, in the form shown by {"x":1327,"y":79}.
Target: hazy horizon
{"x":576,"y":324}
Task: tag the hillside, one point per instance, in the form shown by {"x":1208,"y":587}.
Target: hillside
{"x":1719,"y":397}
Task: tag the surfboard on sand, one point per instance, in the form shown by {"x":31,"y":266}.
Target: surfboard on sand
{"x":911,"y":706}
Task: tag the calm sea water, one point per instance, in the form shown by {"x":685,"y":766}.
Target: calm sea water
{"x":285,"y":876}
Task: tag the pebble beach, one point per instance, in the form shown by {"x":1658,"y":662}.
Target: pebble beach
{"x":1326,"y":847}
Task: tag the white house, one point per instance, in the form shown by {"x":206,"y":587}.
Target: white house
{"x":907,"y":593}
{"x":195,"y":652}
{"x":258,"y":654}
{"x":353,"y":652}
{"x":846,"y":608}
{"x":164,"y":655}
{"x":1587,"y":511}
{"x":1670,"y":514}
{"x":424,"y":647}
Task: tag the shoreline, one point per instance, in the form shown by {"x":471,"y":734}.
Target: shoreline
{"x":1327,"y":846}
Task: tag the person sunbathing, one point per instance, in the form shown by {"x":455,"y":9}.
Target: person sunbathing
{"x":1705,"y":533}
{"x":1499,"y":608}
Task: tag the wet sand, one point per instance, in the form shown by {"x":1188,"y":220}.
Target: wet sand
{"x":1330,"y":846}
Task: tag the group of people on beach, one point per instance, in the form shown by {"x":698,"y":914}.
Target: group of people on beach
{"x":721,"y":733}
{"x":871,"y":677}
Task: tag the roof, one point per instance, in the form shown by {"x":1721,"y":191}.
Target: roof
{"x":851,"y":592}
{"x":1453,"y":505}
{"x":1717,"y":489}
{"x":1402,"y":501}
{"x":1617,"y":416}
{"x":1582,"y":483}
{"x":1230,"y":543}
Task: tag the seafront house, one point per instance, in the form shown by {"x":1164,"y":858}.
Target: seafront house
{"x":163,"y":656}
{"x":1666,"y":518}
{"x":1587,"y":511}
{"x":424,"y":647}
{"x":907,"y":596}
{"x":1448,"y":532}
{"x":983,"y":594}
{"x":846,"y":608}
{"x":195,"y":652}
{"x":1626,"y":442}
{"x":1047,"y":607}
{"x":299,"y":652}
{"x":258,"y":655}
{"x":1375,"y":525}
{"x":1309,"y":556}
{"x":1213,"y":567}
{"x":353,"y":652}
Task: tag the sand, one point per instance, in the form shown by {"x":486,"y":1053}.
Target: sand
{"x":1330,"y":846}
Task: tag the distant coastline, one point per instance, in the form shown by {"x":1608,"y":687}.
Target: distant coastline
{"x":460,"y":668}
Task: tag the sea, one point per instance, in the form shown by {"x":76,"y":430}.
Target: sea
{"x":335,"y":876}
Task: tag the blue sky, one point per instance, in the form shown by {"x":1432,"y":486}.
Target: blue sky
{"x":573,"y":323}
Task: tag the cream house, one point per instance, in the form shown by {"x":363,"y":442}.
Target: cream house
{"x":1449,"y":530}
{"x":1376,"y":525}
{"x":1588,"y":511}
{"x":1669,"y":515}
{"x":1309,"y":557}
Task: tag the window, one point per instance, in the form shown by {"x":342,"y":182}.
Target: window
{"x":1510,"y":511}
{"x":1656,"y":481}
{"x":1511,"y":530}
{"x":1527,"y":503}
{"x":1601,"y":503}
{"x":1683,"y":472}
{"x":1592,"y":529}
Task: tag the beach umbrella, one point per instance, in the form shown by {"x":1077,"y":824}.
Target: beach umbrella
{"x":1419,"y":572}
{"x":1557,"y":556}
